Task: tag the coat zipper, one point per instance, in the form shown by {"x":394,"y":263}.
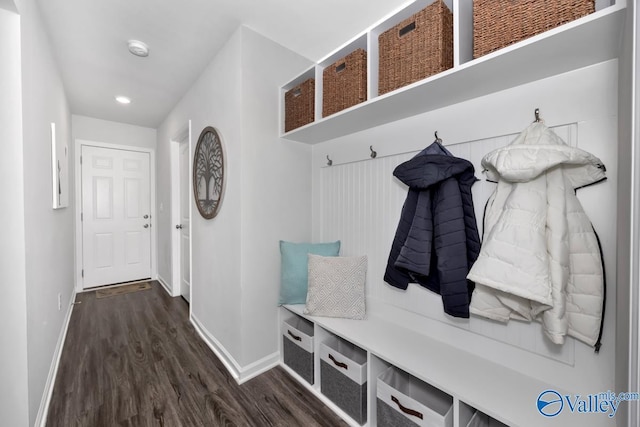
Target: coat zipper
{"x":598,"y":343}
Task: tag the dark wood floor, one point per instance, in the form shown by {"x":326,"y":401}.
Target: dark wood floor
{"x":135,"y":360}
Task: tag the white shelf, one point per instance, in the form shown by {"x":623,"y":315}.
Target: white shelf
{"x":589,"y":40}
{"x":504,"y":394}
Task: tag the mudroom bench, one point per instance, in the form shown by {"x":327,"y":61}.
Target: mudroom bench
{"x":470,"y":385}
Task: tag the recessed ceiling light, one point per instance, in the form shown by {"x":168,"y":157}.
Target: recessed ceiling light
{"x":138,"y":48}
{"x":123,"y":99}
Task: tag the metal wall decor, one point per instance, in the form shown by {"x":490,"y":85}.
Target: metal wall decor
{"x":208,"y":173}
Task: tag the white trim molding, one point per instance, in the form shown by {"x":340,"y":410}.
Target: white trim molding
{"x":41,"y":418}
{"x":182,"y":137}
{"x":634,"y":273}
{"x":241,"y":374}
{"x":165,"y":285}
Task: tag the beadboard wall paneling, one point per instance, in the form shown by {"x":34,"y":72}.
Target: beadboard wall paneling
{"x":361,"y":205}
{"x":358,"y":201}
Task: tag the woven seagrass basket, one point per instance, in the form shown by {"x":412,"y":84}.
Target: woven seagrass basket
{"x":499,"y":23}
{"x":344,"y":83}
{"x":299,"y":105}
{"x":416,"y":48}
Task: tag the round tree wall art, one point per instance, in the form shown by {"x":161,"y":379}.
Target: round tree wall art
{"x":208,"y":173}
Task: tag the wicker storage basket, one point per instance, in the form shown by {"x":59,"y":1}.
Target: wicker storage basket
{"x":344,"y":83}
{"x":299,"y":105}
{"x":499,"y":23}
{"x":416,"y":48}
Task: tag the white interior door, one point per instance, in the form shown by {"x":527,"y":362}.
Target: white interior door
{"x":184,"y":226}
{"x":116,"y":219}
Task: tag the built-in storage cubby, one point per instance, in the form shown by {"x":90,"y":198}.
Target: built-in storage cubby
{"x":360,"y":384}
{"x":471,"y":417}
{"x":422,"y":381}
{"x":404,"y":400}
{"x":332,"y":61}
{"x":586,"y":41}
{"x":343,"y":376}
{"x":299,"y":101}
{"x":478,"y":373}
{"x":297,"y":346}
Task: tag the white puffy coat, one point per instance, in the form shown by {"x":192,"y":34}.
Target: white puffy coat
{"x":540,"y":257}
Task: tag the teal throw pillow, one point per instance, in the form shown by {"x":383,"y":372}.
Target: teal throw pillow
{"x":294,"y":268}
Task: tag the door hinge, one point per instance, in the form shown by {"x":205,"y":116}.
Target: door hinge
{"x":80,"y":159}
{"x":81,"y":216}
{"x":82,"y":272}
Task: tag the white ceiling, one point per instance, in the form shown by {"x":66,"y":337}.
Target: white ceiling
{"x":90,"y":44}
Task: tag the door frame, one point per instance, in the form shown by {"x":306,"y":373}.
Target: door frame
{"x":182,"y":137}
{"x":634,"y":274}
{"x":79,"y":285}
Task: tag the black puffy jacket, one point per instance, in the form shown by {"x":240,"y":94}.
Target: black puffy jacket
{"x":437,"y":239}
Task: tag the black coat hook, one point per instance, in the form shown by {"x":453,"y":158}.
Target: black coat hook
{"x":329,"y":161}
{"x":438,"y":140}
{"x":373,"y":153}
{"x":537,"y":115}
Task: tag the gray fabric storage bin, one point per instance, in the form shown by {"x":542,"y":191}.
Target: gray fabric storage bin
{"x":297,"y":346}
{"x":481,"y":419}
{"x":387,"y":416}
{"x":405,"y":401}
{"x":343,"y":377}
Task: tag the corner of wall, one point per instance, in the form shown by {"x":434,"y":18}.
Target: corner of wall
{"x":14,"y":394}
{"x":212,"y":100}
{"x":627,"y":299}
{"x":276,"y":187}
{"x":239,"y":372}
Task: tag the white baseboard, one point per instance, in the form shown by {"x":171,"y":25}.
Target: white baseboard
{"x":259,"y":367}
{"x":41,"y":419}
{"x":165,"y":285}
{"x":239,"y":373}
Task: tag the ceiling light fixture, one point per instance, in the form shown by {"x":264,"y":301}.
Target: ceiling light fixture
{"x":138,"y":48}
{"x":123,"y":99}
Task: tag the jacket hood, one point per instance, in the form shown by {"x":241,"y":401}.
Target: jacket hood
{"x":538,"y":149}
{"x":426,"y":170}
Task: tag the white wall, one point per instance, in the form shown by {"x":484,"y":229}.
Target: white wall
{"x":91,"y":129}
{"x":49,"y":234}
{"x":13,"y":304}
{"x":8,"y":5}
{"x":364,"y":225}
{"x":214,"y":100}
{"x":235,"y":256}
{"x":276,"y":192}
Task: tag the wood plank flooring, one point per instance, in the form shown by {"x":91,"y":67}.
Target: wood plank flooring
{"x":135,"y":360}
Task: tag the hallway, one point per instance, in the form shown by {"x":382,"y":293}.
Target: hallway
{"x":135,"y":360}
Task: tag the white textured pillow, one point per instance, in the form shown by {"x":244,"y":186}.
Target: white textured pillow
{"x":336,"y":286}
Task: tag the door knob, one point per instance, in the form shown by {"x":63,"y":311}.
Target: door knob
{"x":146,"y":216}
{"x":146,"y":226}
{"x":179,"y":227}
